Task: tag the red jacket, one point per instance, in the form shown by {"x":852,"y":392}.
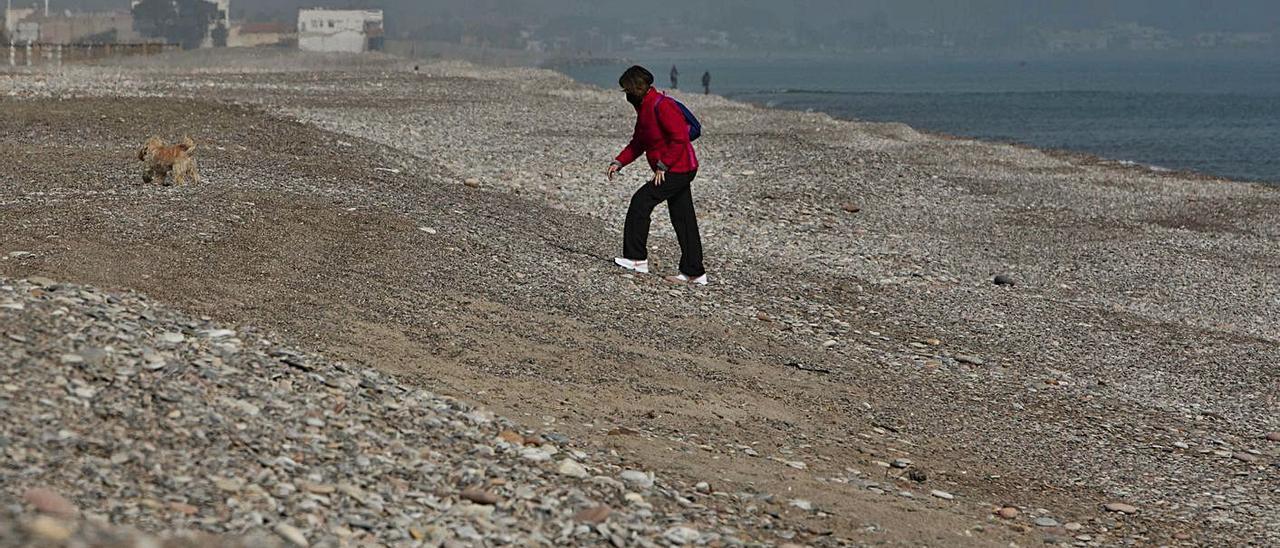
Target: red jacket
{"x":662,"y":135}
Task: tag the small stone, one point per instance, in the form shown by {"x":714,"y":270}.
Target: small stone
{"x":184,"y":508}
{"x":94,"y":356}
{"x":638,"y":478}
{"x":1045,"y":521}
{"x":71,"y":359}
{"x":42,"y":281}
{"x":242,"y":406}
{"x":802,"y":504}
{"x":681,"y":535}
{"x":1073,"y":526}
{"x":228,"y":485}
{"x":48,"y":501}
{"x":511,"y":437}
{"x":972,"y":360}
{"x":291,"y":534}
{"x":901,"y":463}
{"x":172,"y":337}
{"x":1274,"y":436}
{"x":1008,"y":512}
{"x":849,"y":207}
{"x":796,"y":464}
{"x":471,"y":511}
{"x":535,"y":454}
{"x":702,"y":487}
{"x":472,"y":183}
{"x":594,"y":514}
{"x":479,"y":496}
{"x":1244,"y":457}
{"x":623,"y":431}
{"x":1003,"y":279}
{"x":942,"y":494}
{"x":49,"y":529}
{"x":571,"y":468}
{"x":416,"y":533}
{"x":318,"y":488}
{"x":830,"y":343}
{"x":427,"y":229}
{"x":763,"y":316}
{"x":1121,"y":507}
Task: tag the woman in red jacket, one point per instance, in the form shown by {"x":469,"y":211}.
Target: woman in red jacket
{"x":662,"y":135}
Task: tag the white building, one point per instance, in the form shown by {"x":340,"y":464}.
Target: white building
{"x":28,"y":32}
{"x":13,"y":16}
{"x":350,"y":31}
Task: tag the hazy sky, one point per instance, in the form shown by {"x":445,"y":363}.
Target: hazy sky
{"x":1180,"y":16}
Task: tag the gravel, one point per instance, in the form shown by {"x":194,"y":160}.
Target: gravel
{"x":239,"y":435}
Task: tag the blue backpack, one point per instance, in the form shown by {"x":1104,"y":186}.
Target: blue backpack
{"x":695,"y":127}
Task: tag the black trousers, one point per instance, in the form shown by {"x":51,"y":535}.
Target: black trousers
{"x":676,"y":191}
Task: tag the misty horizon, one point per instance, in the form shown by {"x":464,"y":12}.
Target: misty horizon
{"x":812,"y":25}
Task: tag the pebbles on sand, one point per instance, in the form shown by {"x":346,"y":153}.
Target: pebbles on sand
{"x":346,"y":453}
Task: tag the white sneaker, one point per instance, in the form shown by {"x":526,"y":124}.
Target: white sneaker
{"x":638,"y":266}
{"x":700,"y":280}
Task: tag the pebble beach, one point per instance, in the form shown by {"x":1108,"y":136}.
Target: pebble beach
{"x":389,"y":316}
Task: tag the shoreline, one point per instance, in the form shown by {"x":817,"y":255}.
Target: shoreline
{"x":1082,"y":155}
{"x":1079,"y":156}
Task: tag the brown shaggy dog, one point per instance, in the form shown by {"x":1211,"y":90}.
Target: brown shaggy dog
{"x":160,"y":159}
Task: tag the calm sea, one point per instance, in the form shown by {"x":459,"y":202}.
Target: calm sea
{"x":1213,"y":116}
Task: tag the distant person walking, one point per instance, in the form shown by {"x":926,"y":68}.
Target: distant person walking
{"x":663,"y":135}
{"x":706,"y":83}
{"x":675,"y":78}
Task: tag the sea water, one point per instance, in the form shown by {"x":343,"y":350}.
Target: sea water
{"x":1217,"y":116}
